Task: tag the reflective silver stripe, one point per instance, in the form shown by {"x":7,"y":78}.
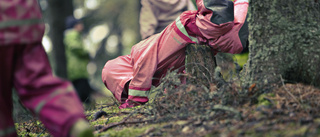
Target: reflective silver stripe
{"x":183,"y":30}
{"x":12,"y":23}
{"x":51,"y":96}
{"x":194,"y":39}
{"x":7,"y":131}
{"x":177,"y":40}
{"x":141,"y":93}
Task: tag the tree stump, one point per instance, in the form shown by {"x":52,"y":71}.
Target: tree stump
{"x":200,"y":64}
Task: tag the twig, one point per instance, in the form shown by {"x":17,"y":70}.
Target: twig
{"x":123,"y":122}
{"x":225,"y":108}
{"x":207,"y":77}
{"x":294,"y":98}
{"x":289,"y":91}
{"x":43,"y":129}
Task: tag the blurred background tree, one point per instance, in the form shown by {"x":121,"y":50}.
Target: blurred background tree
{"x":111,"y":29}
{"x":56,"y":12}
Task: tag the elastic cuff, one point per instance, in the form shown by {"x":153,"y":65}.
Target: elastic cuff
{"x":133,"y":101}
{"x":138,"y":99}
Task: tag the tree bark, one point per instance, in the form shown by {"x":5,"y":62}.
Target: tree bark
{"x":284,"y":43}
{"x":58,"y":10}
{"x":200,"y":64}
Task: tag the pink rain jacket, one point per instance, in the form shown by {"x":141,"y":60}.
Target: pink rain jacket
{"x":150,"y":59}
{"x":24,"y":65}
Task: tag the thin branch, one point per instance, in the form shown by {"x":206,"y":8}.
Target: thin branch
{"x":289,"y":91}
{"x":199,"y":64}
{"x":123,"y":122}
{"x":229,"y":109}
{"x":43,"y":130}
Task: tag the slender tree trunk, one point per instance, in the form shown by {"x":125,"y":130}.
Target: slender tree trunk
{"x":58,"y":10}
{"x":200,"y":63}
{"x":284,"y":43}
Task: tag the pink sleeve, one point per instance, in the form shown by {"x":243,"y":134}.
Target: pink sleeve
{"x":230,"y":42}
{"x":221,"y":37}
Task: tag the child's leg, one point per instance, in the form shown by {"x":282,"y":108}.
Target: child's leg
{"x":7,"y":127}
{"x":124,"y":95}
{"x":52,"y":99}
{"x":116,"y":73}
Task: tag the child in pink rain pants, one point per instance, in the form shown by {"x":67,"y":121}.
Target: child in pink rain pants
{"x":216,"y":23}
{"x":24,"y":65}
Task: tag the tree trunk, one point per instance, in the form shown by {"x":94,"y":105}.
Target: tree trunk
{"x":284,"y":43}
{"x":58,"y":10}
{"x":200,"y":64}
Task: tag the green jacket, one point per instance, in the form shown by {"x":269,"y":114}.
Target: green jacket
{"x":77,"y":56}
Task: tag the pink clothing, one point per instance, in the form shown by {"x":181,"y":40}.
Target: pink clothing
{"x":150,"y":59}
{"x":20,"y":22}
{"x":25,"y":66}
{"x":155,"y":15}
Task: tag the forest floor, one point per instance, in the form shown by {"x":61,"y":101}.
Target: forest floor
{"x":291,"y":110}
{"x":288,"y":110}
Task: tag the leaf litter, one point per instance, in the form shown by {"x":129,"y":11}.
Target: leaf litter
{"x":196,"y":110}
